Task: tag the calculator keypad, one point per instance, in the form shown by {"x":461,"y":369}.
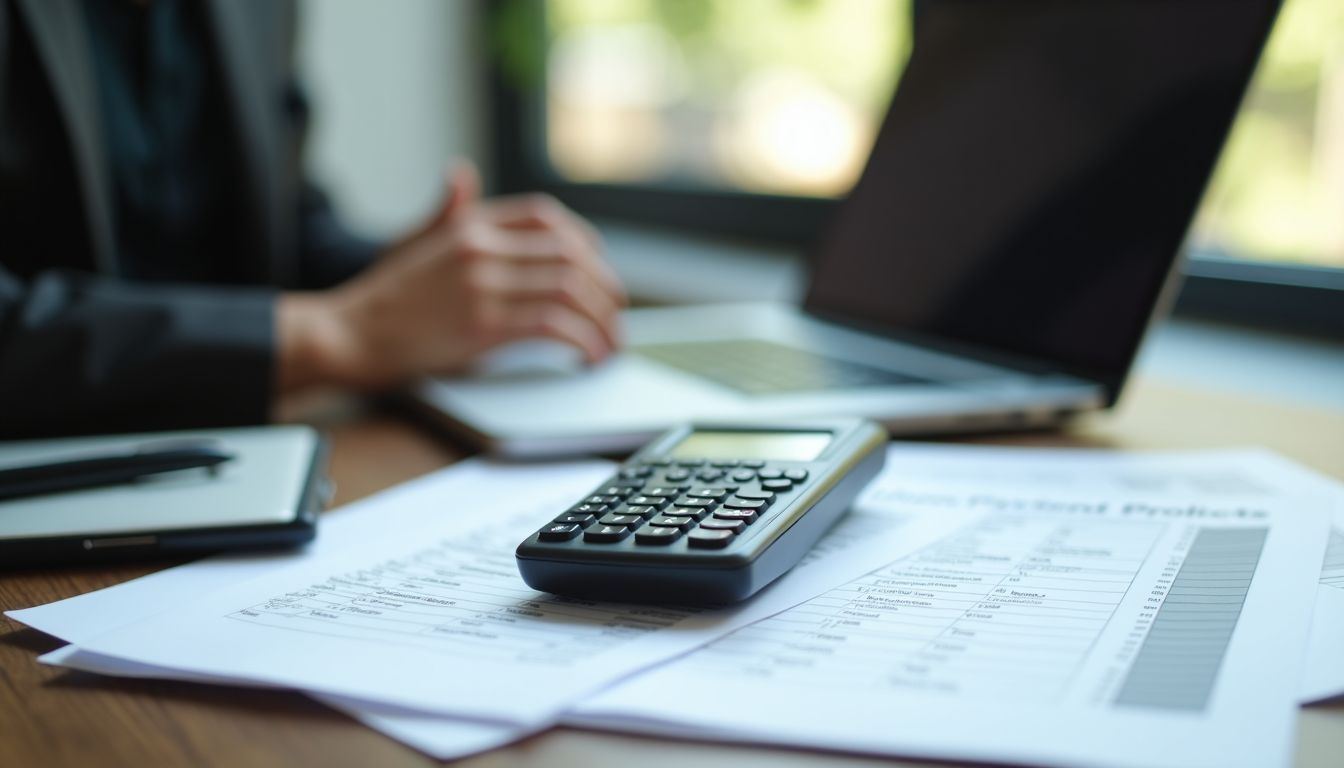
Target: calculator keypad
{"x":661,"y":502}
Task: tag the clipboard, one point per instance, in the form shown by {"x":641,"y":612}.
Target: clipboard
{"x":268,"y":496}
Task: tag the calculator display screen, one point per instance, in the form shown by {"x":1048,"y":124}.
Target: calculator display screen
{"x":781,"y":446}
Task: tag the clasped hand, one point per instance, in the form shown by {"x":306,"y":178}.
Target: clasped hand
{"x":478,"y":274}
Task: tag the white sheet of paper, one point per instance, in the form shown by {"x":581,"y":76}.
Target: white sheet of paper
{"x":444,"y":738}
{"x":1324,"y":669}
{"x":81,"y":617}
{"x":556,"y":648}
{"x":859,"y":541}
{"x":1240,"y":472}
{"x":94,"y":613}
{"x":1148,"y":627}
{"x":440,"y":736}
{"x":1332,"y":572}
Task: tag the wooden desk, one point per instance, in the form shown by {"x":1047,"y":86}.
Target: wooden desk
{"x":51,"y":717}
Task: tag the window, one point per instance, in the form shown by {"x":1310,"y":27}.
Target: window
{"x":1268,"y":243}
{"x":766,"y":96}
{"x":752,"y":117}
{"x":1278,"y":192}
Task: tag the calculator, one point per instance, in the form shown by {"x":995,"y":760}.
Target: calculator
{"x":706,"y":513}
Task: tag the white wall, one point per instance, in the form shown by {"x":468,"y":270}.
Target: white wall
{"x":397,"y":93}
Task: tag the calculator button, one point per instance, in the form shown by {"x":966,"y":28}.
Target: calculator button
{"x":677,"y":475}
{"x":637,"y":510}
{"x":618,"y":490}
{"x":690,"y":462}
{"x":605,"y":534}
{"x":796,"y":475}
{"x":575,"y":518}
{"x":743,"y":475}
{"x":657,"y":534}
{"x":647,"y":501}
{"x":695,"y":513}
{"x":695,"y":501}
{"x":659,"y":462}
{"x":716,"y":524}
{"x":753,"y":463}
{"x":615,"y":519}
{"x":589,"y":509}
{"x":707,"y":538}
{"x":673,"y":521}
{"x":762,"y":495}
{"x":664,"y":490}
{"x":559,"y":532}
{"x":770,"y":474}
{"x":747,"y":516}
{"x":708,"y":493}
{"x":635,"y":473}
{"x":603,"y":500}
{"x":737,"y":503}
{"x":709,"y":475}
{"x":777,"y":485}
{"x":723,"y":463}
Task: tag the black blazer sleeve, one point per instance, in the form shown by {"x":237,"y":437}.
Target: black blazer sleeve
{"x":80,"y":353}
{"x":83,"y":351}
{"x":80,"y":349}
{"x":329,"y":253}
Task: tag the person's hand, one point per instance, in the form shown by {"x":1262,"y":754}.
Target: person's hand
{"x":478,"y":274}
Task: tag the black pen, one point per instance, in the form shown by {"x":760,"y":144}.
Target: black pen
{"x":92,"y":471}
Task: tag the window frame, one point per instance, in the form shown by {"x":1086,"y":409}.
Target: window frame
{"x":1296,"y":298}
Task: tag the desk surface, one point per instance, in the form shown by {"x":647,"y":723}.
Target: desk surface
{"x":57,"y":717}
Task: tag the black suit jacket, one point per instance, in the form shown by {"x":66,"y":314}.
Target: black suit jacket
{"x":82,"y":350}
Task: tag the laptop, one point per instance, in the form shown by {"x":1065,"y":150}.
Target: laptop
{"x":1014,"y":233}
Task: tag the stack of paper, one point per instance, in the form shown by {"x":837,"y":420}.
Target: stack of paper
{"x":979,"y":603}
{"x":410,"y":602}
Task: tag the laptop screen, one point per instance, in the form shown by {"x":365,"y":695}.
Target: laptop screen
{"x":1036,"y":172}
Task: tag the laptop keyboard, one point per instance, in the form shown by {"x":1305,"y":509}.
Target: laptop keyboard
{"x":766,"y":368}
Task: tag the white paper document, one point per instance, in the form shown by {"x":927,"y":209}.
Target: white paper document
{"x":1100,"y":628}
{"x":351,"y":526}
{"x":838,"y":661}
{"x":435,"y":618}
{"x":860,"y":541}
{"x":1237,"y":473}
{"x":84,"y":617}
{"x":1332,"y":572}
{"x":1323,"y":676}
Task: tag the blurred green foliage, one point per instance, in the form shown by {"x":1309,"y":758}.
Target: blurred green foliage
{"x":1278,"y":192}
